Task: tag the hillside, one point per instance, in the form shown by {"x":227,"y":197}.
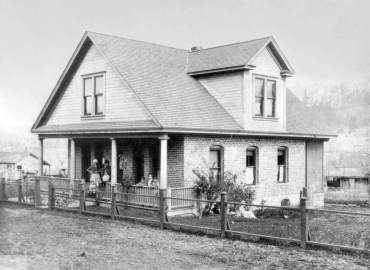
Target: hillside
{"x":342,"y":109}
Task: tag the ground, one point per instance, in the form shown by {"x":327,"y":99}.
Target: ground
{"x":38,"y":239}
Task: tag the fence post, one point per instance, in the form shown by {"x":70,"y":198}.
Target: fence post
{"x":303,"y":207}
{"x":113,"y":205}
{"x":162,"y":208}
{"x":223,"y":213}
{"x":2,"y":189}
{"x":82,"y":198}
{"x":125,"y":190}
{"x":199,"y":206}
{"x":50,"y":195}
{"x":37,"y":192}
{"x":169,"y":200}
{"x":19,"y":191}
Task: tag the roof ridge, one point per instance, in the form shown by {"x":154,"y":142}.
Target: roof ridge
{"x":136,"y":40}
{"x":234,"y":43}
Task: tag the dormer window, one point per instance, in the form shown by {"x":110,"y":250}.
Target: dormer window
{"x":265,"y":97}
{"x":93,"y":94}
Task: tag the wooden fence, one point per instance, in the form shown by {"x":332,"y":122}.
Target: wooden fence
{"x":222,"y":226}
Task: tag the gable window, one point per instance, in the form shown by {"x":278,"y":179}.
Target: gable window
{"x":265,"y":97}
{"x":216,"y":162}
{"x":251,"y":165}
{"x":93,"y":98}
{"x":282,"y":162}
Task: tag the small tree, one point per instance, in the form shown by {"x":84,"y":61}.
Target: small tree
{"x":208,"y":185}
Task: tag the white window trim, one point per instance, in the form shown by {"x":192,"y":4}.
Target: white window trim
{"x":93,"y":110}
{"x":265,"y":78}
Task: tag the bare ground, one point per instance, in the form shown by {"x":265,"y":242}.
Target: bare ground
{"x":35,"y":239}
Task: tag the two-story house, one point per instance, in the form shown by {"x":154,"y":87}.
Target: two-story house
{"x":153,"y":109}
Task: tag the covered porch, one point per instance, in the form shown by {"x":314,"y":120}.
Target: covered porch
{"x":132,"y":159}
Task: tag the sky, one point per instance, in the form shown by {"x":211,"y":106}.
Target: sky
{"x":324,"y":40}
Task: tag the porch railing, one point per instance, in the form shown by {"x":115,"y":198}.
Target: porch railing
{"x":182,"y":193}
{"x":136,"y":195}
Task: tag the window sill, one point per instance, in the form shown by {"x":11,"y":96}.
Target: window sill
{"x":262,"y":118}
{"x":92,"y":117}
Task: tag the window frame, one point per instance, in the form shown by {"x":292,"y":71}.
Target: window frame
{"x":94,"y":95}
{"x":265,"y":98}
{"x":256,"y":161}
{"x":220,"y":170}
{"x":285,"y":166}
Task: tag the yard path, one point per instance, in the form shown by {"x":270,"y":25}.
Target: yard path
{"x":34,"y":239}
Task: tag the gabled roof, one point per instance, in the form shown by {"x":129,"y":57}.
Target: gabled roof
{"x":234,"y":57}
{"x":175,"y":101}
{"x":157,"y":75}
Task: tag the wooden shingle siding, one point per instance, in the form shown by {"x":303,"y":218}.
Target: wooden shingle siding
{"x":227,"y":89}
{"x":120,"y":103}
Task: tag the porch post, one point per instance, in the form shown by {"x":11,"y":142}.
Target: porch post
{"x":114,"y":162}
{"x":41,"y":158}
{"x":163,"y":162}
{"x":72,"y":174}
{"x":69,"y":158}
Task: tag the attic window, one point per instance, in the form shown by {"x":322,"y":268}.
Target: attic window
{"x":265,"y":97}
{"x":93,"y":94}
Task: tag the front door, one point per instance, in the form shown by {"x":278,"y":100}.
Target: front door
{"x":86,"y":161}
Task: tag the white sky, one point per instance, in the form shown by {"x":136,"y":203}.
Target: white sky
{"x":325,"y":40}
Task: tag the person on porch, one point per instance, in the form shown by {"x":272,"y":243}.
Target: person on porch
{"x":106,"y":173}
{"x":94,"y":177}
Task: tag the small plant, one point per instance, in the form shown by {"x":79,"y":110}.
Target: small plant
{"x":237,"y":191}
{"x":208,"y":185}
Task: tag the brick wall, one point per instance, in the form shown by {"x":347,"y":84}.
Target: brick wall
{"x":175,"y":166}
{"x":196,"y":153}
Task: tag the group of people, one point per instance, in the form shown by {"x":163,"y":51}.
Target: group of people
{"x":99,"y":176}
{"x":152,"y":182}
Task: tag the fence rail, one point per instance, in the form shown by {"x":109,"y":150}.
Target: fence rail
{"x":295,"y":225}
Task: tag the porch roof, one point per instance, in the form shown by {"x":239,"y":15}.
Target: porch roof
{"x":90,"y":127}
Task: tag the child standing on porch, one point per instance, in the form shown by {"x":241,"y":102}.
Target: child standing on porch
{"x":105,"y":174}
{"x":94,"y":177}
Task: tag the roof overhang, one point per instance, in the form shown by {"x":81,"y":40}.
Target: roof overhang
{"x":176,"y":130}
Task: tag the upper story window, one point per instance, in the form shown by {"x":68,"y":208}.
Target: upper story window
{"x":93,"y":94}
{"x":282,"y":162}
{"x":251,"y":165}
{"x":265,"y":97}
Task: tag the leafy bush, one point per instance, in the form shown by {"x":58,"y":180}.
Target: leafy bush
{"x":208,"y":185}
{"x":236,"y":190}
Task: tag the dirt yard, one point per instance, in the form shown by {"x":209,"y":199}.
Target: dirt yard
{"x":34,"y":239}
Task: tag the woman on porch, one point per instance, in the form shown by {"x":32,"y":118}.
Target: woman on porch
{"x":94,"y":177}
